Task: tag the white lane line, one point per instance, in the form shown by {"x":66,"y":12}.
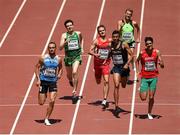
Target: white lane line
{"x":12,"y":23}
{"x":36,"y":55}
{"x":86,"y":71}
{"x":33,"y":78}
{"x":135,"y":76}
{"x":30,"y":55}
{"x":86,"y":104}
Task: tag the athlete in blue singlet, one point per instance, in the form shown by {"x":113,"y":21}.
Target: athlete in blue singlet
{"x":48,"y":71}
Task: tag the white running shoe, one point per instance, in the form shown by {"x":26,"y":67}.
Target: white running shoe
{"x":150,"y":117}
{"x":104,"y":102}
{"x":47,"y":123}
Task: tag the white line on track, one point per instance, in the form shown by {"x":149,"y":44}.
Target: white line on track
{"x":30,"y":55}
{"x":85,"y":74}
{"x":84,"y":55}
{"x":86,"y":104}
{"x":135,"y":76}
{"x":12,"y":23}
{"x":33,"y":78}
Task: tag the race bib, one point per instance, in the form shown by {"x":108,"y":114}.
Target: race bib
{"x":117,"y":59}
{"x":50,"y":72}
{"x":150,"y":66}
{"x":104,"y":53}
{"x":73,"y":45}
{"x":127,"y":35}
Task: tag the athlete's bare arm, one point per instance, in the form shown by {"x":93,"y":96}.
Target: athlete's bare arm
{"x":93,"y":48}
{"x":136,"y":25}
{"x":81,"y":40}
{"x":60,"y":69}
{"x":37,"y":70}
{"x":63,"y":41}
{"x":160,"y":60}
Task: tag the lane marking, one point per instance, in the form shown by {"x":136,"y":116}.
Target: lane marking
{"x":86,"y":71}
{"x":33,"y":78}
{"x":30,"y":55}
{"x":12,"y":23}
{"x":135,"y":76}
{"x":86,"y":104}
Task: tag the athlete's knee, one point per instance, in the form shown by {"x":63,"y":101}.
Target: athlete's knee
{"x":116,"y":85}
{"x":106,"y":83}
{"x":51,"y":103}
{"x":143,"y":98}
{"x":74,"y":74}
{"x":151,"y":98}
{"x":41,"y":102}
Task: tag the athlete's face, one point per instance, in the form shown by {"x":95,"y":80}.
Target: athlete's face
{"x":52,"y":48}
{"x":128,"y":15}
{"x":115,"y":38}
{"x":149,"y":45}
{"x":102,"y":32}
{"x":69,"y":26}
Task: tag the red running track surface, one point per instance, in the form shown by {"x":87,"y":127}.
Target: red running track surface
{"x":27,"y":39}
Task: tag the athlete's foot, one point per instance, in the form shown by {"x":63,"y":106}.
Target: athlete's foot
{"x":73,"y":93}
{"x":116,"y":112}
{"x":150,"y":117}
{"x":75,"y":99}
{"x":105,"y":104}
{"x":47,"y":123}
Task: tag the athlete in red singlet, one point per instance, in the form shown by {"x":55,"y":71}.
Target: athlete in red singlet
{"x":100,"y":49}
{"x":149,"y":58}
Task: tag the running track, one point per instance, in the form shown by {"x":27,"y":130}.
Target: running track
{"x":39,"y":21}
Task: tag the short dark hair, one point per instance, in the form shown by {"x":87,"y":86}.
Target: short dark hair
{"x":100,"y":27}
{"x":52,"y":42}
{"x":128,"y":9}
{"x":148,"y":39}
{"x":115,"y":32}
{"x":67,"y":21}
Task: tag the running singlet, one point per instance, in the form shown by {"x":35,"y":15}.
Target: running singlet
{"x":48,"y":71}
{"x":72,"y":48}
{"x":103,"y":49}
{"x":127,"y":32}
{"x":119,"y":55}
{"x":149,"y":64}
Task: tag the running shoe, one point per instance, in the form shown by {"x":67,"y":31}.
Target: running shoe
{"x":105,"y":104}
{"x":47,"y":123}
{"x":150,"y":117}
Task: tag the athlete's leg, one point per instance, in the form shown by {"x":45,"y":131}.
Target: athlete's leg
{"x":143,"y":89}
{"x":42,"y":98}
{"x":69,"y":74}
{"x":151,"y":101}
{"x":152,"y":92}
{"x":52,"y":97}
{"x":132,"y":61}
{"x":75,"y":68}
{"x":116,"y":79}
{"x":98,"y":74}
{"x":106,"y":86}
{"x":123,"y":81}
{"x":42,"y":95}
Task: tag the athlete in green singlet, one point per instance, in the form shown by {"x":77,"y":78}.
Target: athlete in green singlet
{"x":72,"y":42}
{"x":126,"y":28}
